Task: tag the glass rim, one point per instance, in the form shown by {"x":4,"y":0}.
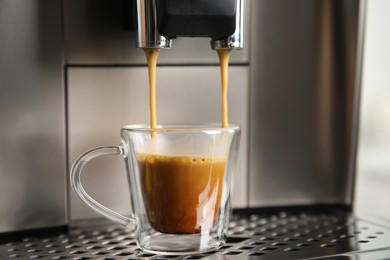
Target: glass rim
{"x":181,"y":128}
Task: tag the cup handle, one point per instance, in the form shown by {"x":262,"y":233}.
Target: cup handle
{"x":75,"y":181}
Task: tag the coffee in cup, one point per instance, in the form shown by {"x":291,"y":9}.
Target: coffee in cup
{"x":181,"y":193}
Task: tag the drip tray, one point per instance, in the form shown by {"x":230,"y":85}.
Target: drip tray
{"x":284,"y":235}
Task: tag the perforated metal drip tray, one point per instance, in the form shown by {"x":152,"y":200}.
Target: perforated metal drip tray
{"x":281,"y":235}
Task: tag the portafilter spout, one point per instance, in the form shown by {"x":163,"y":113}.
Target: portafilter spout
{"x":147,"y":35}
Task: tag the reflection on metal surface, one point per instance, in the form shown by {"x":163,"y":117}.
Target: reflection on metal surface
{"x":147,"y":35}
{"x":304,"y":96}
{"x":32,"y":116}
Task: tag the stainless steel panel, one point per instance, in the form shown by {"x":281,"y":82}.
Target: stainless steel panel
{"x":94,"y":34}
{"x":32,"y":116}
{"x":304,"y":92}
{"x":101,"y":100}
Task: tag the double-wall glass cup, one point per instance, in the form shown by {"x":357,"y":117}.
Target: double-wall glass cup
{"x":180,"y":185}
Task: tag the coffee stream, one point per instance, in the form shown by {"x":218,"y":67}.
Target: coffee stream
{"x":151,"y":57}
{"x":224,"y":55}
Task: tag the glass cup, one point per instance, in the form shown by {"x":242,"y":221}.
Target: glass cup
{"x":180,"y":181}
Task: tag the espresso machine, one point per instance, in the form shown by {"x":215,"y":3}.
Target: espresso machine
{"x":72,"y":75}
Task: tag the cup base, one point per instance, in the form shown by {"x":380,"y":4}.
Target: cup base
{"x":164,"y":244}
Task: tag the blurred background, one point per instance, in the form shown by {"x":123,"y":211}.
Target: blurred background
{"x":373,"y":169}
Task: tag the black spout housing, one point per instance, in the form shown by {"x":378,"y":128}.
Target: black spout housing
{"x":196,"y":18}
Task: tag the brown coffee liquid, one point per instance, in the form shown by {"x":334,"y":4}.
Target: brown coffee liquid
{"x":224,"y":55}
{"x":181,"y":193}
{"x":151,"y":57}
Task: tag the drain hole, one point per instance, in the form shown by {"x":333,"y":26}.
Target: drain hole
{"x":72,"y":246}
{"x":290,"y":239}
{"x":291,"y":249}
{"x":111,"y":242}
{"x":313,"y":240}
{"x":303,"y":244}
{"x":323,"y":235}
{"x":117,"y":248}
{"x":145,"y":255}
{"x":123,"y":254}
{"x":55,"y":251}
{"x":30,"y":245}
{"x":89,"y":242}
{"x":255,"y":243}
{"x":347,"y":236}
{"x":33,"y":250}
{"x":268,"y":248}
{"x":278,"y":234}
{"x":131,"y":244}
{"x":69,"y":241}
{"x":246,"y":247}
{"x":327,"y":245}
{"x":255,"y":253}
{"x":266,"y":238}
{"x":51,"y":245}
{"x":232,"y":253}
{"x":279,"y":244}
{"x":48,"y":240}
{"x":232,"y":240}
{"x":363,"y":241}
